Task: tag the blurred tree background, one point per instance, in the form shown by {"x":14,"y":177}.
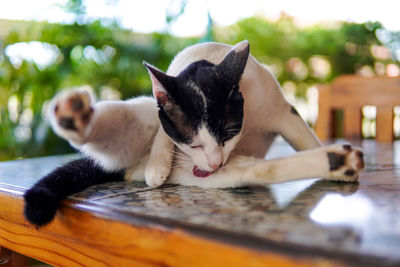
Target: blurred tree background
{"x":108,"y":58}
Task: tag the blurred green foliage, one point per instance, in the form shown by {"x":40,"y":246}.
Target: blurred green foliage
{"x":103,"y":55}
{"x":345,"y":46}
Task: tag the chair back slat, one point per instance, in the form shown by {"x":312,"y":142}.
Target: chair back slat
{"x":324,"y":122}
{"x":352,"y":122}
{"x":384,"y":124}
{"x":350,"y":93}
{"x":352,"y":90}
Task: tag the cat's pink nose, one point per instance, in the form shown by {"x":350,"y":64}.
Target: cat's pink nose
{"x":215,"y":165}
{"x":215,"y":158}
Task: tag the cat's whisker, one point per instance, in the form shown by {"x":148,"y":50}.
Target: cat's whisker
{"x":184,"y":163}
{"x":232,"y":131}
{"x":183,"y":160}
{"x":178,"y":153}
{"x":230,"y":125}
{"x":180,"y":165}
{"x":181,"y":155}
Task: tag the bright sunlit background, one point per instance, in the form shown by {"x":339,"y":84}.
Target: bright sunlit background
{"x":49,"y":45}
{"x":149,"y":16}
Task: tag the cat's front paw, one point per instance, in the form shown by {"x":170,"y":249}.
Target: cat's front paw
{"x":156,"y":174}
{"x":40,"y":206}
{"x":73,"y":112}
{"x":345,"y":162}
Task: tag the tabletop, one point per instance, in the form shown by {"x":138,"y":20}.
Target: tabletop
{"x":345,"y":223}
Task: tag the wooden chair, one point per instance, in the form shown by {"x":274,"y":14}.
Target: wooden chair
{"x":350,"y":93}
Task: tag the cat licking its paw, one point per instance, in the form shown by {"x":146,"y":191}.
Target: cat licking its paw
{"x":214,"y":115}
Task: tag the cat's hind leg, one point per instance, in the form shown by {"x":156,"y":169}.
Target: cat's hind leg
{"x":116,"y":134}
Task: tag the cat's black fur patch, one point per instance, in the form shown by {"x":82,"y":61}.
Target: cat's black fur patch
{"x":347,"y":147}
{"x":335,"y":160}
{"x":294,"y":111}
{"x":44,"y":198}
{"x":349,"y":172}
{"x":67,"y":123}
{"x":204,"y":94}
{"x":85,"y":117}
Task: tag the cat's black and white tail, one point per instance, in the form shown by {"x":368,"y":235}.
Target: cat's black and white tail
{"x":44,"y":198}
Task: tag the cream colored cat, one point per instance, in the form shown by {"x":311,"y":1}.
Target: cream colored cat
{"x":208,"y":138}
{"x":219,"y":111}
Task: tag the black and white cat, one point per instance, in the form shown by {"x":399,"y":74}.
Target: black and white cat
{"x":219,"y":111}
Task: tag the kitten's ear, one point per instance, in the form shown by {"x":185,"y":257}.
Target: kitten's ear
{"x":232,"y":66}
{"x":160,"y":82}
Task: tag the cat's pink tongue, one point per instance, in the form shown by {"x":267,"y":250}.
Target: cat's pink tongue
{"x":200,"y":173}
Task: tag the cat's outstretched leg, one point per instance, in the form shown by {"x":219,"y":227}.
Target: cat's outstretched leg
{"x":335,"y":162}
{"x":44,"y":198}
{"x":159,"y":165}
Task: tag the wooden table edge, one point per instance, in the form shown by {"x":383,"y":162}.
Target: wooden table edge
{"x":84,"y":235}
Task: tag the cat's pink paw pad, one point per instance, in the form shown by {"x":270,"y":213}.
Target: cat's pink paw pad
{"x":73,"y":111}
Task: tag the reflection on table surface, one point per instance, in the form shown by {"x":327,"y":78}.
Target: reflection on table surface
{"x":351,"y":218}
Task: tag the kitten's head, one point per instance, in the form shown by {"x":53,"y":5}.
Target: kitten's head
{"x":202,"y":109}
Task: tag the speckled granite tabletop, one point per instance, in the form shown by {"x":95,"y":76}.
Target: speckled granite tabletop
{"x":355,"y":220}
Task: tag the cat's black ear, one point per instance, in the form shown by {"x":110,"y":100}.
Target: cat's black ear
{"x":232,"y":66}
{"x":160,"y":82}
